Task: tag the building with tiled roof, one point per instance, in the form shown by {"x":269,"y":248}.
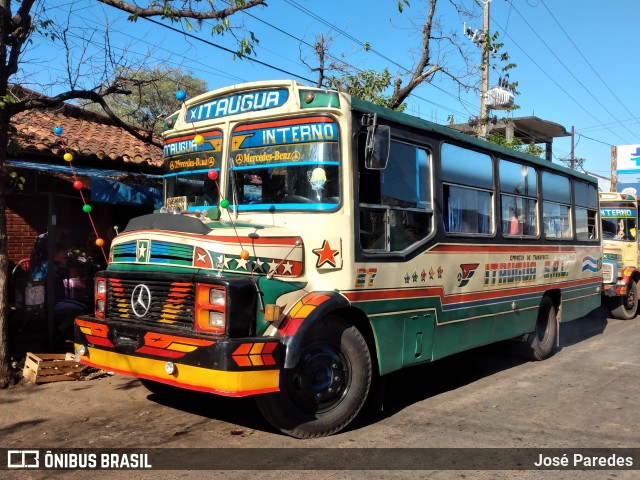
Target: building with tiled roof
{"x":93,"y":138}
{"x":121,"y":174}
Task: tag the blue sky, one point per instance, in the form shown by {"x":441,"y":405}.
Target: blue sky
{"x":576,"y":61}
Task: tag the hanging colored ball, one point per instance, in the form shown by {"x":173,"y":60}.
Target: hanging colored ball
{"x":244,"y":254}
{"x":67,"y":157}
{"x":224,"y":203}
{"x":86,"y":208}
{"x":99,"y":242}
{"x":212,"y":174}
{"x":57,"y":130}
{"x":77,"y":184}
{"x":181,"y":95}
{"x":198,"y":139}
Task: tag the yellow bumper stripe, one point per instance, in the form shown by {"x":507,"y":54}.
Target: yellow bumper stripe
{"x":232,"y":384}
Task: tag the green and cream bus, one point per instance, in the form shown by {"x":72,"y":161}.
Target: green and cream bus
{"x":312,"y":242}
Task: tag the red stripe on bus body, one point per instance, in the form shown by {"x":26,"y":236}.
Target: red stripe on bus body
{"x":230,"y":240}
{"x":395,"y":294}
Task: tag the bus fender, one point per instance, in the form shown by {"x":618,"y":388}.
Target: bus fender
{"x":630,"y":273}
{"x":302,"y":316}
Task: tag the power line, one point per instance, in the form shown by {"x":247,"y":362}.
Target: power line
{"x":590,"y":65}
{"x":228,"y":50}
{"x":570,"y":73}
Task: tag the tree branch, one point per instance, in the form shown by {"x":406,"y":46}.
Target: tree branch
{"x":166,"y":11}
{"x":41,"y":102}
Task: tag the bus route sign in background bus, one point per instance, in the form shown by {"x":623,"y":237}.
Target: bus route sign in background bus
{"x":312,"y":242}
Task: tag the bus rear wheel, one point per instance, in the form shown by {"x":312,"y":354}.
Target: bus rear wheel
{"x":328,"y":386}
{"x":541,"y":342}
{"x":626,"y":307}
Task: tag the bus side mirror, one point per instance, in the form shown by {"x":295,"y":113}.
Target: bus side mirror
{"x":377,"y":147}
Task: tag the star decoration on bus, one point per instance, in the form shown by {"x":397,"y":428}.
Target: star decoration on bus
{"x":273,"y":266}
{"x":258,"y":265}
{"x":142,"y":250}
{"x":202,"y":258}
{"x":241,"y":263}
{"x":286,"y":268}
{"x":223,"y":261}
{"x":325,"y":255}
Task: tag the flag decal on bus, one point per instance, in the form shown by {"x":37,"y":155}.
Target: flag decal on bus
{"x":467,"y":271}
{"x":592,"y":264}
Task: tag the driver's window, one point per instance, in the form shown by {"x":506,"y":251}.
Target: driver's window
{"x":395,"y":203}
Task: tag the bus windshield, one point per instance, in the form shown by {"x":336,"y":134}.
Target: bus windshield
{"x":186,"y":164}
{"x":621,"y":228}
{"x":291,"y":164}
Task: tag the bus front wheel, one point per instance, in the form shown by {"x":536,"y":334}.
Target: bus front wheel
{"x":541,"y":342}
{"x":626,"y":307}
{"x":328,"y":386}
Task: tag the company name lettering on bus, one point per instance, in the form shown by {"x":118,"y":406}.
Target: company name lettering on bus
{"x":241,"y":103}
{"x":177,"y":148}
{"x":277,"y":156}
{"x":509,"y":272}
{"x":555,"y":269}
{"x":300,"y":133}
{"x":618,"y":212}
{"x":192,"y":163}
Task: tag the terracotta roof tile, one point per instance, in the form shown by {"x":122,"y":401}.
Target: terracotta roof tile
{"x":91,"y":137}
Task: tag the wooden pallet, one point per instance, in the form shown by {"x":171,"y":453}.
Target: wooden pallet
{"x":51,"y":367}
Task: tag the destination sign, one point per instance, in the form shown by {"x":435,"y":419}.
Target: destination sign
{"x":239,"y":103}
{"x":286,"y":141}
{"x":186,"y":145}
{"x":183,"y":154}
{"x":618,"y":212}
{"x":310,"y":130}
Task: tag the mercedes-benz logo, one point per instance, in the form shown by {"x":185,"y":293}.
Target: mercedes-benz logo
{"x":140,"y":300}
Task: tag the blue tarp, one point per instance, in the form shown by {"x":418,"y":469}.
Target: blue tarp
{"x":104,"y":189}
{"x":111,"y":191}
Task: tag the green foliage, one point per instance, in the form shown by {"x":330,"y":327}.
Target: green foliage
{"x":401,"y":4}
{"x":153,"y":96}
{"x":6,"y":100}
{"x":368,"y":85}
{"x":516,"y":144}
{"x":16,"y":181}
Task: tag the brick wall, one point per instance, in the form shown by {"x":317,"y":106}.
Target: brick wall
{"x":26,"y":219}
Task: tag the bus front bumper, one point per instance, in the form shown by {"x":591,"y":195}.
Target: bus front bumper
{"x":231,"y":367}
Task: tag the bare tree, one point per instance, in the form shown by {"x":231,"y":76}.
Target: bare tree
{"x":438,"y":53}
{"x":18,"y":21}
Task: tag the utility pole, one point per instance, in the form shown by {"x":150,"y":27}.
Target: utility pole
{"x":484,"y":79}
{"x":573,"y":137}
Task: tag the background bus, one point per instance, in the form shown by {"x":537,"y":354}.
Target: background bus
{"x":619,"y":213}
{"x":312,"y":243}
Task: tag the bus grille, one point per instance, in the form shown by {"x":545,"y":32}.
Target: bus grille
{"x":171,"y":303}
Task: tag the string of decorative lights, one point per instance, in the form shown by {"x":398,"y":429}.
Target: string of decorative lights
{"x":78,"y":185}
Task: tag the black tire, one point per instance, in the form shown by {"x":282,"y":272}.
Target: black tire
{"x":160,"y":389}
{"x":328,"y":387}
{"x":626,"y":307}
{"x":541,"y":343}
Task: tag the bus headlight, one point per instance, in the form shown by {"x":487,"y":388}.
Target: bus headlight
{"x":608,"y":270}
{"x":100,"y":296}
{"x":211,"y":308}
